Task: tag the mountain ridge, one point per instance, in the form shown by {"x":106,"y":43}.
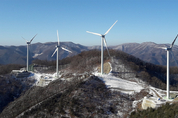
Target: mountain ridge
{"x":147,"y":51}
{"x":79,"y":91}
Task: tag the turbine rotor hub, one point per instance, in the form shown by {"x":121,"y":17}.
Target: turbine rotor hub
{"x":169,"y":49}
{"x":103,"y":36}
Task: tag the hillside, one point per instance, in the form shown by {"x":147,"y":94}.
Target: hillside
{"x":80,"y":91}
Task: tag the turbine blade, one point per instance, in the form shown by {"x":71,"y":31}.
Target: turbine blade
{"x":110,"y":27}
{"x":174,"y":58}
{"x":162,"y":47}
{"x":174,"y":41}
{"x":25,"y":39}
{"x":54,"y":52}
{"x":58,"y":38}
{"x":94,"y":33}
{"x":32,"y":38}
{"x":106,"y":47}
{"x":66,"y":49}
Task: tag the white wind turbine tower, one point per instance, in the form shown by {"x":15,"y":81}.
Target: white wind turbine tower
{"x":57,"y":50}
{"x":28,"y":43}
{"x":169,"y":49}
{"x":102,"y":39}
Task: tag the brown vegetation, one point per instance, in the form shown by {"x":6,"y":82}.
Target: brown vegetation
{"x":86,"y":61}
{"x":166,"y":111}
{"x":86,"y":98}
{"x":78,"y":98}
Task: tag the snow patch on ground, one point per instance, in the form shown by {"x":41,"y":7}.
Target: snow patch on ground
{"x":156,"y":98}
{"x":37,"y":55}
{"x":134,"y":104}
{"x":43,"y":78}
{"x":124,"y":86}
{"x":110,"y":67}
{"x":117,"y":83}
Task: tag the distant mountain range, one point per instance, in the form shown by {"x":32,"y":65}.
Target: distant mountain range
{"x":43,"y":51}
{"x":147,"y":51}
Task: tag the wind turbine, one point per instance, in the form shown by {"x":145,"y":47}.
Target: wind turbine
{"x":28,"y":43}
{"x":57,"y":50}
{"x":103,"y":39}
{"x":169,"y":49}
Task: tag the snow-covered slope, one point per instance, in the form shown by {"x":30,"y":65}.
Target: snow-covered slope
{"x":122,"y":85}
{"x":155,"y":97}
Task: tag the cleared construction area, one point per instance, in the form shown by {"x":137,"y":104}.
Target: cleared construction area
{"x":157,"y":100}
{"x":107,"y":67}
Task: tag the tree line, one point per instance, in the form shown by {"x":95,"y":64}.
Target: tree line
{"x":154,"y":75}
{"x":6,"y":69}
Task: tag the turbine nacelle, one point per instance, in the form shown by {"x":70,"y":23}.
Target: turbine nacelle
{"x":28,"y":43}
{"x":103,"y":36}
{"x":168,"y":49}
{"x":103,"y":39}
{"x":56,"y":50}
{"x":57,"y":46}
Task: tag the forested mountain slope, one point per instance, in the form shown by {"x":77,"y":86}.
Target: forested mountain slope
{"x":78,"y":93}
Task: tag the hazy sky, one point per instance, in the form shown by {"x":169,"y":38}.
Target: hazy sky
{"x":138,"y":21}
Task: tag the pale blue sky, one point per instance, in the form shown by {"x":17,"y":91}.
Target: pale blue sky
{"x":138,"y":21}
